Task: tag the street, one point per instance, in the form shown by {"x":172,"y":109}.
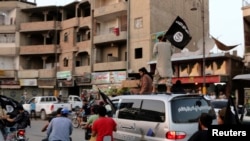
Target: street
{"x":34,"y":133}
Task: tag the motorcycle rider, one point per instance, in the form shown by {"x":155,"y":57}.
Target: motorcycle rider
{"x":19,"y":120}
{"x":94,"y":115}
{"x":60,"y":128}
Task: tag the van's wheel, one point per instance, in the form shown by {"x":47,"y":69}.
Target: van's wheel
{"x":43,"y":115}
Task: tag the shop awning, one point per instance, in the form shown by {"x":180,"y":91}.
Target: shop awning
{"x":199,"y":79}
{"x":10,"y":86}
{"x":46,"y":87}
{"x":242,"y":77}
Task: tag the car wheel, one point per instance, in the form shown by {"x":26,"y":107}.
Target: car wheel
{"x":43,"y":115}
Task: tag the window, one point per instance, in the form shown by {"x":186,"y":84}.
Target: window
{"x":76,"y":99}
{"x":152,"y":110}
{"x":188,"y":109}
{"x":66,"y":37}
{"x":65,"y":62}
{"x":138,"y":22}
{"x":138,"y":53}
{"x":143,"y":110}
{"x":128,"y":109}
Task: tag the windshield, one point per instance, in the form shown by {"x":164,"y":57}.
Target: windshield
{"x":188,"y":109}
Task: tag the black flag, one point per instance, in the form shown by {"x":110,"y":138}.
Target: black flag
{"x":9,"y":104}
{"x":107,"y":101}
{"x":231,"y":115}
{"x":178,"y":33}
{"x":11,"y":107}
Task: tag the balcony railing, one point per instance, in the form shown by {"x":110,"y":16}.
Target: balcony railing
{"x":39,"y":26}
{"x":118,"y":65}
{"x":85,"y":22}
{"x":47,"y":73}
{"x":28,"y":73}
{"x":73,"y":22}
{"x":37,"y":49}
{"x":84,"y":46}
{"x":8,"y":51}
{"x":109,"y":37}
{"x":79,"y":71}
{"x":7,"y":28}
{"x":8,"y":74}
{"x":120,"y":7}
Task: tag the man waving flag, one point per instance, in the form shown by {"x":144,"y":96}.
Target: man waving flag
{"x":231,"y":115}
{"x":178,"y":33}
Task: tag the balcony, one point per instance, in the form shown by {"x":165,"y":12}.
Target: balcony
{"x":119,"y":65}
{"x":73,"y":22}
{"x":28,"y":73}
{"x":8,"y":51}
{"x":38,"y":49}
{"x":39,"y":26}
{"x":7,"y":28}
{"x":109,"y":11}
{"x":84,"y":46}
{"x":79,"y":71}
{"x":47,"y":73}
{"x":110,"y":37}
{"x":8,"y":74}
{"x":85,"y":22}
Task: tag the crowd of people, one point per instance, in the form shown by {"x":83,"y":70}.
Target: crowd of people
{"x":98,"y":126}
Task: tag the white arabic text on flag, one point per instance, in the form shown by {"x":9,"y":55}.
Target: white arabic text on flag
{"x":178,"y":33}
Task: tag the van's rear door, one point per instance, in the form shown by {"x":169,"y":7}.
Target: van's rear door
{"x":185,"y":111}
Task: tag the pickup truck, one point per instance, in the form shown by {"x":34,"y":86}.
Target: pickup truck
{"x":75,"y":101}
{"x":46,"y":105}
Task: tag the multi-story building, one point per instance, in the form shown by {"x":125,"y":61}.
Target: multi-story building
{"x":10,"y":19}
{"x":64,"y":49}
{"x":244,"y":85}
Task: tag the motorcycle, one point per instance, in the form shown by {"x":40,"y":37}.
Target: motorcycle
{"x":77,"y":115}
{"x":20,"y":135}
{"x":16,"y":135}
{"x":10,"y":133}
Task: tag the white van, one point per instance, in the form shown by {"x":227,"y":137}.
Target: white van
{"x":161,"y":117}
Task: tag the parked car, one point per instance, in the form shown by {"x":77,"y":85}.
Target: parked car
{"x":160,"y":117}
{"x":75,"y":101}
{"x":46,"y":105}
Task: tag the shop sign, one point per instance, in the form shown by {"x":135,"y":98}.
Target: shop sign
{"x":100,"y":78}
{"x":117,"y":76}
{"x":63,"y":75}
{"x":9,"y":82}
{"x":65,"y":83}
{"x":86,"y":78}
{"x":28,"y":82}
{"x":108,"y":77}
{"x":46,"y":82}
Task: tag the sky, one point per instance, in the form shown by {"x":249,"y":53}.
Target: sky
{"x":226,"y":21}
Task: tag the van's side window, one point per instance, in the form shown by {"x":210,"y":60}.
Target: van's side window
{"x":128,"y":109}
{"x":152,"y":110}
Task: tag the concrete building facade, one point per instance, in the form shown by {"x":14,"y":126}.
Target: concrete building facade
{"x":65,"y":49}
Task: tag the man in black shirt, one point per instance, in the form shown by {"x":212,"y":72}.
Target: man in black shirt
{"x":205,"y":121}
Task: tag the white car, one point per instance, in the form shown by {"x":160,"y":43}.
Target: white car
{"x":161,"y":117}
